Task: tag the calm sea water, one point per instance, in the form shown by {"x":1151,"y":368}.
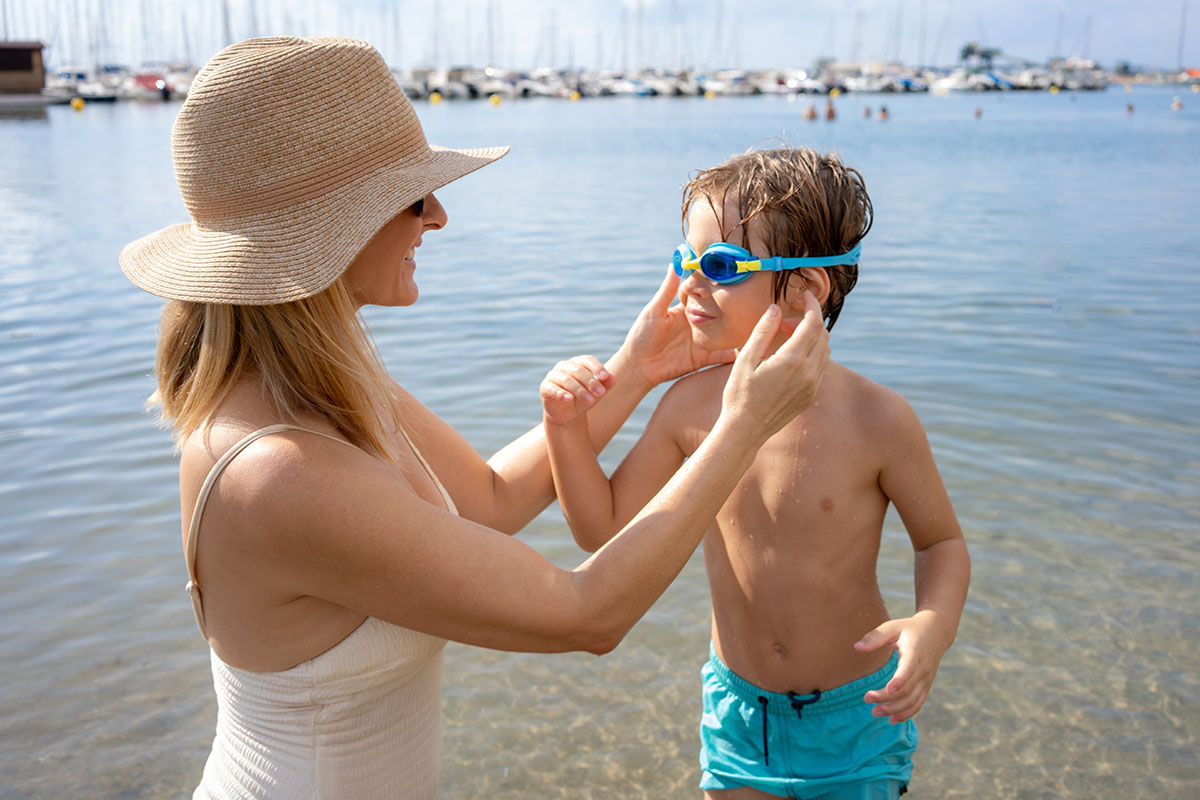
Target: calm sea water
{"x":1032,"y":285}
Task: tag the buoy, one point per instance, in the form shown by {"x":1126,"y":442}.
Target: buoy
{"x":834,"y":92}
{"x":494,"y":99}
{"x":77,"y":103}
{"x":1128,"y":89}
{"x":710,"y":94}
{"x":1195,"y":87}
{"x":1053,"y":90}
{"x":575,"y":95}
{"x":435,"y":97}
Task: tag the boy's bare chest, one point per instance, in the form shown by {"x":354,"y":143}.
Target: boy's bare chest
{"x":811,"y":482}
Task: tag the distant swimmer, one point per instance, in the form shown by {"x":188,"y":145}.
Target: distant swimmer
{"x":1177,"y":104}
{"x":1129,"y":108}
{"x":866,"y":112}
{"x":810,"y":111}
{"x":883,"y":113}
{"x":978,"y":112}
{"x":830,"y":111}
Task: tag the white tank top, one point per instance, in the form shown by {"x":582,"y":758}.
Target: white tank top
{"x":361,"y":720}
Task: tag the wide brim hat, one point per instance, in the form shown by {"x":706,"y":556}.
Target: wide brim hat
{"x":290,"y":155}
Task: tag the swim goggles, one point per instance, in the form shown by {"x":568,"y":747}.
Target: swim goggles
{"x":725,"y":263}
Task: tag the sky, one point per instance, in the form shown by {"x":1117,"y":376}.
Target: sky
{"x":705,"y":34}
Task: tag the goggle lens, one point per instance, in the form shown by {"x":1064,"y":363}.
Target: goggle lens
{"x":720,"y":267}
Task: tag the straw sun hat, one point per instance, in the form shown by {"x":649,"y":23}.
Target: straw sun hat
{"x":290,"y":154}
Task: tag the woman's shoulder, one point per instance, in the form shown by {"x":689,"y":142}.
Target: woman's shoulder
{"x":264,"y":468}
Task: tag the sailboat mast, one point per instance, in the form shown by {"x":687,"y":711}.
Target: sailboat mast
{"x":921,"y":38}
{"x":856,"y":44}
{"x":1182,"y":31}
{"x":715,"y":53}
{"x":491,"y":33}
{"x":187,"y":40}
{"x":937,"y":45}
{"x":624,"y":41}
{"x":254,"y":34}
{"x":641,"y":56}
{"x":226,"y":28}
{"x":437,"y":35}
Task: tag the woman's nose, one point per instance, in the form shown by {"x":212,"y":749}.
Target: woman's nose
{"x":433,"y":216}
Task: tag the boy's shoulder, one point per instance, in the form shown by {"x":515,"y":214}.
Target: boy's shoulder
{"x":692,"y":404}
{"x":696,"y":398}
{"x":697,"y":387}
{"x":870,"y":403}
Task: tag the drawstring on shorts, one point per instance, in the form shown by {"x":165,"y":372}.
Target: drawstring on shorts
{"x":766,"y":753}
{"x":797,"y":704}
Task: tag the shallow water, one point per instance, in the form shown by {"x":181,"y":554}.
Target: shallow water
{"x":1031,"y":286}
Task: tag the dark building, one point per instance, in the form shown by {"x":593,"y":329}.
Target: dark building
{"x":21,"y":68}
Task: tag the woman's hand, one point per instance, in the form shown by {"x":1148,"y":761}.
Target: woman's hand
{"x":573,"y":387}
{"x":769,"y":392}
{"x":659,"y":342}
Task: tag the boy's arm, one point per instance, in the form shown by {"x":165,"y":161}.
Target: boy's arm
{"x":595,"y":507}
{"x":942,"y":569}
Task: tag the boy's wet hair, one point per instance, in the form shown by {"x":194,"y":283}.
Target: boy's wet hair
{"x":807,"y":204}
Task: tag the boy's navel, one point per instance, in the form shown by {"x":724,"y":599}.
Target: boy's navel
{"x":827,"y":505}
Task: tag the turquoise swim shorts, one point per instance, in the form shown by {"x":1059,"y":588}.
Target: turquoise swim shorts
{"x":824,"y":745}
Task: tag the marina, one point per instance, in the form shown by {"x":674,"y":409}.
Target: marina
{"x":468,"y":83}
{"x":95,"y":52}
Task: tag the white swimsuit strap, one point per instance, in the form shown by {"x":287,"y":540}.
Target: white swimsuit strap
{"x":453,"y":509}
{"x":189,"y":550}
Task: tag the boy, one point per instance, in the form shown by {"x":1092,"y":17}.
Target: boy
{"x":810,"y":688}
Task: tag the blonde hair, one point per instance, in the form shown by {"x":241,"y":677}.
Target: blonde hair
{"x":811,"y":205}
{"x":312,"y":355}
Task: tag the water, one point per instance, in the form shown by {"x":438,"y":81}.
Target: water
{"x":1031,"y":286}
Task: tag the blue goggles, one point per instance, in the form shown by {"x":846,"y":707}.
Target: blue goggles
{"x":725,"y":263}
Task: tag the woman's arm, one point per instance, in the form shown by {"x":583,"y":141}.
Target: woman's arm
{"x":509,"y":489}
{"x":348,"y":536}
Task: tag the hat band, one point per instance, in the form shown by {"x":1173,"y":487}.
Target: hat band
{"x":307,"y":184}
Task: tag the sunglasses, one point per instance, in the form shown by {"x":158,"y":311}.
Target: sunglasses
{"x":725,"y":263}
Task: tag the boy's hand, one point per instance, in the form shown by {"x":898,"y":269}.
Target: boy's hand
{"x":660,"y":340}
{"x":921,"y":644}
{"x":573,"y":387}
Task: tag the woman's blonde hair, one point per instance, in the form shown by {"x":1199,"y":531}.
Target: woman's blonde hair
{"x":312,"y":355}
{"x":808,"y":204}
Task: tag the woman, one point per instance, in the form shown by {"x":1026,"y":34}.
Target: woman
{"x":338,"y":532}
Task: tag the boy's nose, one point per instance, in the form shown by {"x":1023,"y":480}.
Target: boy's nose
{"x":695,"y":283}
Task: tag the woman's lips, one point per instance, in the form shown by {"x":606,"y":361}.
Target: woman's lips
{"x":697,"y":317}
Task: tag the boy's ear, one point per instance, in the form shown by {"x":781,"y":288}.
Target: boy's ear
{"x":815,"y":280}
